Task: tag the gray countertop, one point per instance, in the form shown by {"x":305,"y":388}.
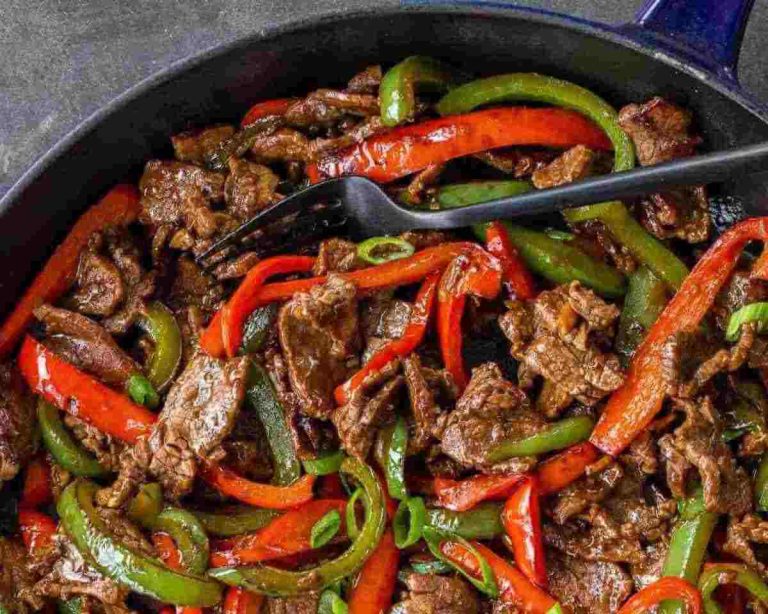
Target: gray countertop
{"x":63,"y":59}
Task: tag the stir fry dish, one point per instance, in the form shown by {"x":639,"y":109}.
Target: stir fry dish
{"x":545,"y":416}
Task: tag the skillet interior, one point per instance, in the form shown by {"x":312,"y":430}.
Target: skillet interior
{"x":224,"y":84}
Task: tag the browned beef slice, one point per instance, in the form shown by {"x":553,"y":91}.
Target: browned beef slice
{"x":282,"y":145}
{"x":424,"y":405}
{"x":371,"y":406}
{"x":697,"y":443}
{"x":681,"y":214}
{"x":659,"y":130}
{"x":432,"y":594}
{"x":558,"y":342}
{"x":576,"y":498}
{"x":587,"y":587}
{"x":326,"y":106}
{"x":249,"y":188}
{"x":742,"y":288}
{"x":180,"y":194}
{"x":417,"y":189}
{"x":99,"y":288}
{"x":197,"y":145}
{"x":366,"y":81}
{"x":200,"y":411}
{"x":193,"y":286}
{"x":237,"y":267}
{"x":741,"y":534}
{"x":574,"y":164}
{"x":422,"y":239}
{"x":17,"y":423}
{"x":336,"y":256}
{"x":17,"y":578}
{"x":105,"y":448}
{"x":319,"y":337}
{"x":515,"y":161}
{"x":301,"y":604}
{"x":593,"y":238}
{"x":86,"y":344}
{"x":491,"y":410}
{"x":385,"y":317}
{"x":649,"y":570}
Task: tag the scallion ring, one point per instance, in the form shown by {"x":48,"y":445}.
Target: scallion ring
{"x":325,"y":529}
{"x":378,"y":250}
{"x":754,"y":312}
{"x":409,"y":521}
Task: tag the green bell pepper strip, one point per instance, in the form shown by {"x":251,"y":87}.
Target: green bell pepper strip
{"x":481,"y":522}
{"x":189,"y":535}
{"x":645,"y":300}
{"x":263,"y":398}
{"x":146,"y":506}
{"x":396,"y":450}
{"x":487,"y":585}
{"x":257,"y":328}
{"x":236,"y":521}
{"x":138,"y":572}
{"x":717,"y":574}
{"x":350,"y":515}
{"x":541,"y":88}
{"x":463,"y":194}
{"x":161,"y":326}
{"x":324,"y":464}
{"x":331,"y":603}
{"x":551,"y":258}
{"x":325,"y":529}
{"x":141,"y":390}
{"x":688,"y":545}
{"x":556,"y":436}
{"x":754,"y":312}
{"x":64,"y":449}
{"x":390,"y":248}
{"x":282,"y":582}
{"x":409,"y":521}
{"x":761,"y":484}
{"x":397,"y":90}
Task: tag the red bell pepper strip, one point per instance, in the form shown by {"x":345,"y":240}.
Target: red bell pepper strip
{"x":239,"y":307}
{"x":372,"y":591}
{"x":390,"y":274}
{"x":259,"y":495}
{"x":277,"y":106}
{"x":397,"y":348}
{"x":462,"y":495}
{"x":521,"y":518}
{"x":409,"y":149}
{"x":668,"y":587}
{"x":81,"y":395}
{"x":450,"y":311}
{"x":240,"y":601}
{"x":287,"y":534}
{"x":514,"y":588}
{"x":171,"y":556}
{"x":517,"y":277}
{"x":566,"y":467}
{"x":37,"y":484}
{"x":119,"y":207}
{"x":37,"y":530}
{"x":632,"y":407}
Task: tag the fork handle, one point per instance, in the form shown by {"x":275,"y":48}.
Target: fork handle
{"x":697,"y":170}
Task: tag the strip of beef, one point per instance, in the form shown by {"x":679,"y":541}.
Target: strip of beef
{"x":249,"y":188}
{"x":367,"y":81}
{"x":319,"y":338}
{"x":648,"y":571}
{"x":17,"y":423}
{"x":433,"y":594}
{"x":661,"y":131}
{"x":17,"y":579}
{"x":557,"y":338}
{"x":192,"y":286}
{"x":356,"y":132}
{"x":383,"y":319}
{"x":576,"y":498}
{"x":180,"y":194}
{"x":593,"y":237}
{"x":301,"y":604}
{"x":742,"y":289}
{"x":697,"y":444}
{"x":517,"y":162}
{"x":196,"y":146}
{"x":237,"y":267}
{"x":283,"y":145}
{"x":336,"y":256}
{"x":490,"y":411}
{"x":99,"y":288}
{"x":86,"y":344}
{"x":326,"y":106}
{"x":105,"y":448}
{"x":741,"y":534}
{"x":371,"y":406}
{"x":587,"y":587}
{"x":576,"y":163}
{"x":416,"y":191}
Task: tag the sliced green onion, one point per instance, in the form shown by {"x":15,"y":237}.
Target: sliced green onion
{"x":434,"y":538}
{"x":325,"y":529}
{"x":431,"y":567}
{"x":324,"y":464}
{"x":331,"y":603}
{"x":556,"y":436}
{"x":409,"y":521}
{"x":353,"y":530}
{"x":396,"y":460}
{"x":378,"y":250}
{"x":140,"y":389}
{"x":754,"y":312}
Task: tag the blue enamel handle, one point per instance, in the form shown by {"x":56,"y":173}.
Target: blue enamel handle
{"x":705,"y":32}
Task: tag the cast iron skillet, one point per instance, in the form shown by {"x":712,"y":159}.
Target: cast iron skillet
{"x":682,"y":49}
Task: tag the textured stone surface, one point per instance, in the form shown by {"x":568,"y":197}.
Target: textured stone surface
{"x":60,"y":60}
